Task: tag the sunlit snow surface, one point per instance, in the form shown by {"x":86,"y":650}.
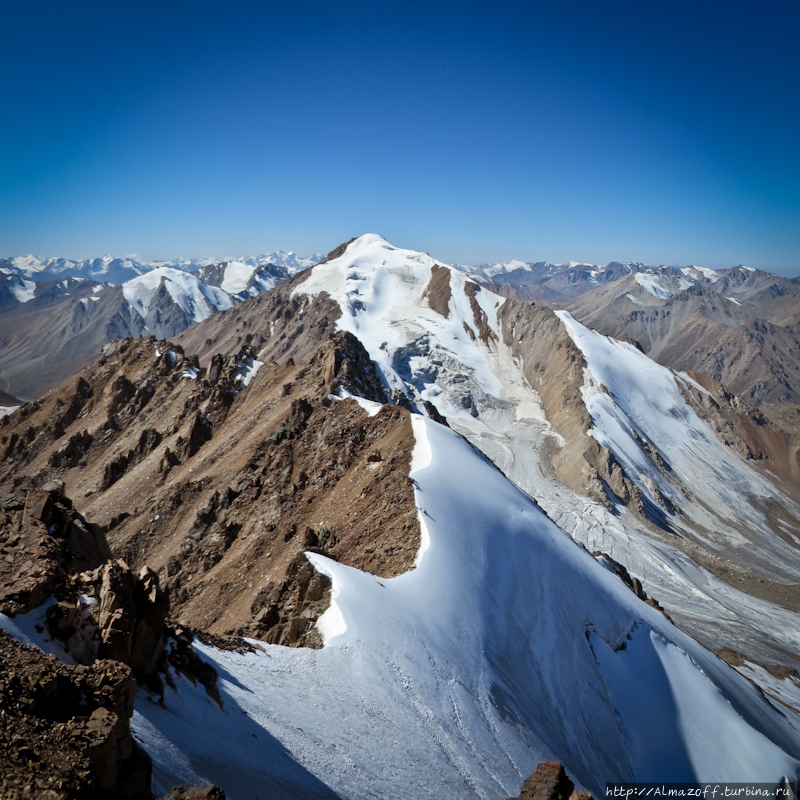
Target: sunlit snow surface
{"x":633,"y":401}
{"x":501,"y":649}
{"x":481,"y":390}
{"x":381,"y":291}
{"x":197,"y":299}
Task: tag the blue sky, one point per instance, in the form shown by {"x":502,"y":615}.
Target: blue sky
{"x":590,"y":131}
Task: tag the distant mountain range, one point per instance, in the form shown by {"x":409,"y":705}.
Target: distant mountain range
{"x":120,"y":270}
{"x":55,"y":314}
{"x":425,"y":537}
{"x":738,"y":325}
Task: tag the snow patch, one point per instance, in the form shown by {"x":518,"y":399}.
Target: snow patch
{"x":24,"y":291}
{"x":249,"y":369}
{"x":655,"y":284}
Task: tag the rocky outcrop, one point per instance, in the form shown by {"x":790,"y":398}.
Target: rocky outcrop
{"x":196,"y":793}
{"x":41,"y":538}
{"x":485,"y":333}
{"x":71,"y":724}
{"x":221,"y":489}
{"x":337,"y":251}
{"x":634,"y":584}
{"x":438,"y":292}
{"x":745,"y":427}
{"x":74,"y":721}
{"x":276,"y":324}
{"x":349,"y":368}
{"x":550,"y":782}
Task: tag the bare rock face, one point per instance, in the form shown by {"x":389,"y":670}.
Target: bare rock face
{"x":485,"y":332}
{"x":71,"y":724}
{"x":744,"y":427}
{"x":349,"y":367}
{"x":37,"y":539}
{"x":550,"y":782}
{"x":74,"y":722}
{"x":438,"y":292}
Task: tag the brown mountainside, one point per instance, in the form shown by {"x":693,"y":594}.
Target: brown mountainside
{"x":221,"y":488}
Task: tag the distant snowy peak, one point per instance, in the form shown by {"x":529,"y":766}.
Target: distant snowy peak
{"x":662,"y":285}
{"x":242,"y":279}
{"x":291,"y":260}
{"x":388,"y":299}
{"x":197,"y":299}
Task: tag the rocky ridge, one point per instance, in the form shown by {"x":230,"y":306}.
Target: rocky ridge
{"x":221,"y":487}
{"x":73,"y":722}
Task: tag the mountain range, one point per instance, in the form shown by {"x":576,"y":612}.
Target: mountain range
{"x":56,"y":314}
{"x":425,"y":535}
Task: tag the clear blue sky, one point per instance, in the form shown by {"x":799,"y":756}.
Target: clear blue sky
{"x":592,"y":131}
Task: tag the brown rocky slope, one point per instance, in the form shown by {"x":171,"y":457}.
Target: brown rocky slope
{"x":221,"y":488}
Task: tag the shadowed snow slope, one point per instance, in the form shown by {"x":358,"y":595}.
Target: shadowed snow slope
{"x":506,"y":645}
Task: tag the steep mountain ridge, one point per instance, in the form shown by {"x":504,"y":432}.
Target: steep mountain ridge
{"x":148,"y":435}
{"x":466,"y":638}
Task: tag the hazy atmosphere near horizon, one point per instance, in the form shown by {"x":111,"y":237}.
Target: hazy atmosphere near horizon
{"x":660,"y":133}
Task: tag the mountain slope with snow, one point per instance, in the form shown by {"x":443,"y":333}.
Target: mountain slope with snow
{"x":739,"y":326}
{"x":111,"y":269}
{"x":512,"y":639}
{"x":508,"y":644}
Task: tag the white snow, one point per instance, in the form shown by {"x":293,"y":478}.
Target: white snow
{"x":698,"y":273}
{"x":508,"y":266}
{"x":190,"y":372}
{"x":24,"y":291}
{"x":501,"y":649}
{"x":370,"y":406}
{"x":380,"y":289}
{"x":249,"y":369}
{"x":688,"y":379}
{"x":665,"y":703}
{"x":733,"y":300}
{"x":633,"y":400}
{"x":237,"y":276}
{"x":785,"y":690}
{"x":6,"y":410}
{"x":634,"y":300}
{"x":197,"y":299}
{"x":655,"y":284}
